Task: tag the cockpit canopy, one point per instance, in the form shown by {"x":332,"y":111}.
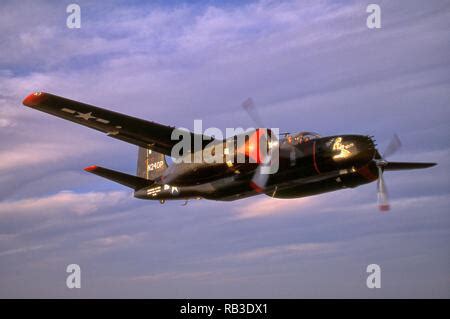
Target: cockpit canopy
{"x":301,"y":137}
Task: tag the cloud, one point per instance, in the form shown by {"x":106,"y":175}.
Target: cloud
{"x":283,"y":251}
{"x":63,"y":202}
{"x":164,"y":276}
{"x":113,"y":242}
{"x":5,"y":123}
{"x":268,"y":206}
{"x":25,"y":250}
{"x":397,"y":204}
{"x":33,"y":154}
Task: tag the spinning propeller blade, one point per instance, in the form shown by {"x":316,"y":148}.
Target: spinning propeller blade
{"x":392,"y":147}
{"x":259,"y":179}
{"x":261,"y":176}
{"x":383,"y":198}
{"x":249,"y":106}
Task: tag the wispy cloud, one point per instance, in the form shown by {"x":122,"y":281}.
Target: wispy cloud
{"x":33,"y":154}
{"x":108,"y":243}
{"x":268,"y":206}
{"x":65,"y":201}
{"x":164,"y":276}
{"x":283,"y":251}
{"x":25,"y":250}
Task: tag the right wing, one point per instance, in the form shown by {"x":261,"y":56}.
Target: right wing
{"x":130,"y":129}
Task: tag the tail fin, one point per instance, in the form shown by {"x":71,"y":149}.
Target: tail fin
{"x":150,"y":164}
{"x":119,"y":177}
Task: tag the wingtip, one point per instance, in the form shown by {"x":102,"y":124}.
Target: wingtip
{"x":32,"y":99}
{"x":91,"y":168}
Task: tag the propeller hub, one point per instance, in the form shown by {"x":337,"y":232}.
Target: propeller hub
{"x":380,"y":162}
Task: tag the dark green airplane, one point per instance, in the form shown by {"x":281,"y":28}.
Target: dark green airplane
{"x":308,"y":164}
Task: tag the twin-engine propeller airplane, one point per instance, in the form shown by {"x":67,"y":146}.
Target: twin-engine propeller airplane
{"x":308,"y":164}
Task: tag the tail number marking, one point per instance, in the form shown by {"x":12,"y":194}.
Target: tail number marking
{"x":156,"y":165}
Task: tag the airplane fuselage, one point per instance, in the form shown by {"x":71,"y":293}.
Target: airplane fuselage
{"x":313,"y":167}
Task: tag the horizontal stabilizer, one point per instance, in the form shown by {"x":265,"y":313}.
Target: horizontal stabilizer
{"x":397,"y":166}
{"x":119,"y":177}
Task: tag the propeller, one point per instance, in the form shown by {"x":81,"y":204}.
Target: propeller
{"x":393,"y":146}
{"x":259,"y":180}
{"x":249,"y":106}
{"x":261,"y":176}
{"x":381,"y":163}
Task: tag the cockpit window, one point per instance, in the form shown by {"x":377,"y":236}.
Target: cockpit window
{"x":301,"y":137}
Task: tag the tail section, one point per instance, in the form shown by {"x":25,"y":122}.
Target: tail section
{"x":131,"y":181}
{"x":150,"y":164}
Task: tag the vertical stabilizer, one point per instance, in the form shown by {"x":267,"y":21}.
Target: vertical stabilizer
{"x":150,"y":164}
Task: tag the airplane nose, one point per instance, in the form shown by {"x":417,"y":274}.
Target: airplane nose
{"x":354,"y":149}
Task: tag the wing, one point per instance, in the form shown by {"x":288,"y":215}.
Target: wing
{"x":120,"y":126}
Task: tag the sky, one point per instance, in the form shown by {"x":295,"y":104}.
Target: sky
{"x":308,"y":65}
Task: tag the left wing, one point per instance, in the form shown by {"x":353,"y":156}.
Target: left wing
{"x":120,"y":126}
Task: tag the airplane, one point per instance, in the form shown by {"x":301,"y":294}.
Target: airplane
{"x":308,"y":164}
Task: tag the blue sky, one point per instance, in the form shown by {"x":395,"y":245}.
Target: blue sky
{"x":309,"y":65}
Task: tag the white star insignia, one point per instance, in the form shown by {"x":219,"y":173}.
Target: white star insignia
{"x":112,"y":132}
{"x":85,"y":116}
